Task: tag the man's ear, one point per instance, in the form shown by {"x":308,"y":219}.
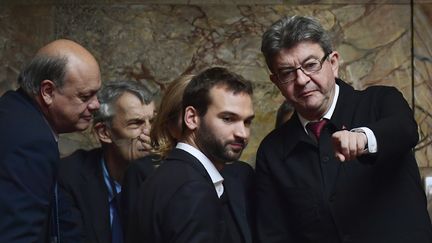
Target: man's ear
{"x":274,"y":79}
{"x":334,"y":60}
{"x":103,"y":132}
{"x":191,"y":118}
{"x":47,"y":88}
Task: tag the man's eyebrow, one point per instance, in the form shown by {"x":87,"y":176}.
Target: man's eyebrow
{"x":230,"y":113}
{"x":283,"y":67}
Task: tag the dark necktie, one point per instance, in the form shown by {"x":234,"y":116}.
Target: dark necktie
{"x":116,"y":227}
{"x":316,"y":127}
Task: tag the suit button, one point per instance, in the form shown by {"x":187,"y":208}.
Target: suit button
{"x":325,"y":159}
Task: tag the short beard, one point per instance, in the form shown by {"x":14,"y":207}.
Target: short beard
{"x":213,"y":148}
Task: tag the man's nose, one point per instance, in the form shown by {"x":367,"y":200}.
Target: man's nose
{"x":94,"y":104}
{"x":301,"y":78}
{"x":242,"y":131}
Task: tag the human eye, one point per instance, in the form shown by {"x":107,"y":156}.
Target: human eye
{"x":85,"y":98}
{"x":227,"y":118}
{"x":286,"y":71}
{"x":135,"y":124}
{"x":151,"y":120}
{"x":286,"y":74}
{"x":311,"y":65}
{"x":248,"y":122}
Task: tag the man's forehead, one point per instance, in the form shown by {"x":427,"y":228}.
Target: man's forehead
{"x":129,"y":103}
{"x":225,"y":100}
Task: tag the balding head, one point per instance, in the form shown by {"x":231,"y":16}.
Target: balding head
{"x":66,"y":48}
{"x":63,"y":78}
{"x":52,"y":62}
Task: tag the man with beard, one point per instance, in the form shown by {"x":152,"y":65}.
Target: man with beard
{"x":90,"y":182}
{"x":186,"y":199}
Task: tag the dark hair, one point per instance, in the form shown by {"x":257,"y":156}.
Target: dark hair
{"x":110,"y":93}
{"x":197,"y":91}
{"x":290,"y":31}
{"x":41,"y":68}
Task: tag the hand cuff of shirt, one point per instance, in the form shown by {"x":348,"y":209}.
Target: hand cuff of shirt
{"x":372,"y":146}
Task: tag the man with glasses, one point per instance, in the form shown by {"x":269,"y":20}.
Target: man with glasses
{"x":90,"y":181}
{"x":342,"y":168}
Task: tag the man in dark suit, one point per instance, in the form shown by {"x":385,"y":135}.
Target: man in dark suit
{"x":356,"y":179}
{"x":187,"y":199}
{"x":90,"y":181}
{"x":57,"y":94}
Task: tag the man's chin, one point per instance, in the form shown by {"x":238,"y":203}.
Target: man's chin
{"x":82,"y":126}
{"x":233,"y":156}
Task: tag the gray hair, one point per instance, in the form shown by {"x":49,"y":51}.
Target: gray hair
{"x":290,"y":31}
{"x":110,"y":93}
{"x":42,"y":68}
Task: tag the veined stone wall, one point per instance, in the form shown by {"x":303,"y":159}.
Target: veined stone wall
{"x":156,"y":41}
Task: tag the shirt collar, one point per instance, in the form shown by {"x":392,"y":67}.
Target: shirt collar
{"x":108,"y":179}
{"x":215,"y":176}
{"x":327,"y":115}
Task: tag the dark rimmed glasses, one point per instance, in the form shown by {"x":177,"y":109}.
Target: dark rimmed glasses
{"x":311,"y":66}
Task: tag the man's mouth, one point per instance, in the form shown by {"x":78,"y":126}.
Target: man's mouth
{"x":87,"y":118}
{"x":305,"y":93}
{"x":238,"y":146}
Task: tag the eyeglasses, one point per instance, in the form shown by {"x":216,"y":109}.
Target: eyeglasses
{"x":288,"y":75}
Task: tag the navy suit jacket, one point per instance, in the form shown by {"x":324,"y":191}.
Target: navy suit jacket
{"x":28,"y":155}
{"x":178,"y":203}
{"x":305,"y":195}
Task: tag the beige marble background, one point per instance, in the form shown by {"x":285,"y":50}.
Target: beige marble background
{"x":155,"y":41}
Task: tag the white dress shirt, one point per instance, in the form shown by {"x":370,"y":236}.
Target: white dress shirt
{"x":215,"y":176}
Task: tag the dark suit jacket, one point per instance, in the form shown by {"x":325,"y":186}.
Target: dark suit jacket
{"x":83,"y":198}
{"x":239,"y":177}
{"x":84,"y":207}
{"x":305,"y":195}
{"x":137,"y":172}
{"x":178,"y":203}
{"x":28,"y":154}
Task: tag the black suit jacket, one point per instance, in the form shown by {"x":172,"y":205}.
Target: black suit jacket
{"x":305,"y":195}
{"x":239,"y":177}
{"x":84,"y":207}
{"x":178,"y":203}
{"x":83,"y":198}
{"x":28,"y":154}
{"x":137,"y":172}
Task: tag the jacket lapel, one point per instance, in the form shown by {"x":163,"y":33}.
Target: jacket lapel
{"x":185,"y":157}
{"x":345,"y":107}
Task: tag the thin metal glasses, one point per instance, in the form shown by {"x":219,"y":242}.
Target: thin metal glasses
{"x":288,"y":75}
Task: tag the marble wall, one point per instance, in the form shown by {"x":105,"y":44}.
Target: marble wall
{"x":381,"y":42}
